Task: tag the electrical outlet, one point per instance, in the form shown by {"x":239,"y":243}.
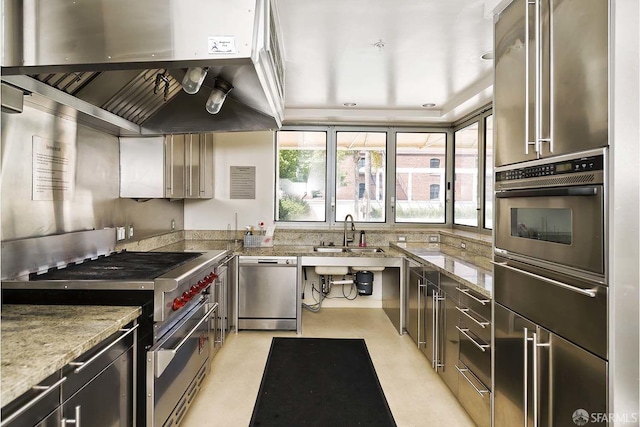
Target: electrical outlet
{"x":402,"y":239}
{"x":131,"y":231}
{"x":120,"y":233}
{"x":463,"y":245}
{"x":434,"y":238}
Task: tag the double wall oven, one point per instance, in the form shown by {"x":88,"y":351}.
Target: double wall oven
{"x":180,"y":327}
{"x":550,"y":290}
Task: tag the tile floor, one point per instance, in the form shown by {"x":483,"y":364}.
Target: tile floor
{"x":416,"y":395}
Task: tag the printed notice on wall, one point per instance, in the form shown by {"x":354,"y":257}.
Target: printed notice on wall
{"x":243,"y":182}
{"x":53,"y":170}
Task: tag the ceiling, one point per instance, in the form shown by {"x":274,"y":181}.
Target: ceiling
{"x":387,"y":57}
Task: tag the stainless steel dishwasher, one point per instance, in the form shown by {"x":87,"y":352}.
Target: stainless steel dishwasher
{"x":268,"y":296}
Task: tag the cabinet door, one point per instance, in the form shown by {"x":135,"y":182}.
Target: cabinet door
{"x":415,"y":304}
{"x":449,"y":343}
{"x":513,"y":391}
{"x":107,"y":400}
{"x":513,"y":115}
{"x":571,"y":379}
{"x":579,"y":76}
{"x":206,"y":166}
{"x":192,"y":176}
{"x":174,"y":166}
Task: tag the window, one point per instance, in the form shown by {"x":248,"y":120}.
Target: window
{"x":488,"y":172}
{"x":465,"y":170}
{"x":301,"y":181}
{"x":360,"y":176}
{"x":473,"y":172}
{"x":434,"y":191}
{"x":387,"y":175}
{"x":419,"y":177}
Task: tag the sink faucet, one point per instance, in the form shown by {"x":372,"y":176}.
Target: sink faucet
{"x":346,"y":240}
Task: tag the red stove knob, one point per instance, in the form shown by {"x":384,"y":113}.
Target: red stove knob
{"x":186,"y":296}
{"x":177,"y":304}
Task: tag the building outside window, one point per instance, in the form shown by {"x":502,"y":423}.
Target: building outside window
{"x":419,"y":177}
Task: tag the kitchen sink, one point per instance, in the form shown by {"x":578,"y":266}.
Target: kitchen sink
{"x":332,"y":249}
{"x":365,"y":250}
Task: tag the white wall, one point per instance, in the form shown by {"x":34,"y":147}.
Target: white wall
{"x":237,"y":149}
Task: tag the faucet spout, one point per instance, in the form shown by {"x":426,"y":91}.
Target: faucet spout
{"x":346,"y":240}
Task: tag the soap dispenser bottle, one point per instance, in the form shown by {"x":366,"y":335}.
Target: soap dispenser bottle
{"x":363,"y":239}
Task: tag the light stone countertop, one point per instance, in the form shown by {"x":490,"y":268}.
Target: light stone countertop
{"x":468,"y":269}
{"x":38,"y":340}
{"x":464,"y":266}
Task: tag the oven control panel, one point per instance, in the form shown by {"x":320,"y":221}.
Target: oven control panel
{"x":573,"y":166}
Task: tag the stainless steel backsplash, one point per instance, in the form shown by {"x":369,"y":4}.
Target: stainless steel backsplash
{"x":95,"y":203}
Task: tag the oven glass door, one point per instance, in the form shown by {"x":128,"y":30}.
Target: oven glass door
{"x":554,"y":225}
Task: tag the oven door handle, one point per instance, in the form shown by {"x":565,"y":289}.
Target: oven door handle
{"x":587,"y":292}
{"x":550,"y":192}
{"x":164,"y":356}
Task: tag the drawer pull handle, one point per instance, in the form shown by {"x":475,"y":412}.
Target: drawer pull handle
{"x":462,"y":372}
{"x":46,"y":390}
{"x":464,"y":331}
{"x":465,"y":312}
{"x":82,"y":365}
{"x":76,"y":421}
{"x":467,"y":293}
{"x":586,"y":292}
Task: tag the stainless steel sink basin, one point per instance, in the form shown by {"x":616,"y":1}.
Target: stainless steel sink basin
{"x":332,"y":249}
{"x":365,"y":250}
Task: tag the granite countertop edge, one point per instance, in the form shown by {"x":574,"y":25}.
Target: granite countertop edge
{"x":37,"y":341}
{"x":483,"y":274}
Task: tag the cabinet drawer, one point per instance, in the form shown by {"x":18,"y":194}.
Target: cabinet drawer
{"x":84,"y":368}
{"x":474,"y":396}
{"x":474,"y":300}
{"x":34,"y":406}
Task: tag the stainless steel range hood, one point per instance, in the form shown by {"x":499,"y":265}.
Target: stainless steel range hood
{"x":122,"y":62}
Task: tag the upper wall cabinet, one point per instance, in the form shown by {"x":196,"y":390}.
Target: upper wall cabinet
{"x":174,"y":167}
{"x":551,"y":78}
{"x":199,"y":166}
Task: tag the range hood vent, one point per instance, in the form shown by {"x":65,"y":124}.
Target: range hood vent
{"x":128,"y":58}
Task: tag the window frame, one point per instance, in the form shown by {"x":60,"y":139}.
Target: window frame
{"x":390,"y":172}
{"x":479,"y":118}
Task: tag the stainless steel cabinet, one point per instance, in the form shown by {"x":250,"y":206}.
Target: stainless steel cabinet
{"x":446,"y":338}
{"x":189,"y":166}
{"x":174,"y":159}
{"x":559,"y":379}
{"x":175,"y":166}
{"x":432,"y":320}
{"x":198,"y":166}
{"x":551,"y":78}
{"x":96,"y":389}
{"x":416,"y":303}
{"x":106,"y":400}
{"x":474,"y":360}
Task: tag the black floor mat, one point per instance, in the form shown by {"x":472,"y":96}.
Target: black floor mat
{"x":320,"y":382}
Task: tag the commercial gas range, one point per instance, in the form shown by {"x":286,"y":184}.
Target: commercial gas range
{"x":179,"y":329}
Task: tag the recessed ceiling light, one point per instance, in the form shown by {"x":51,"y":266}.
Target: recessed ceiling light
{"x":487,"y":56}
{"x":428,"y":105}
{"x":349,"y":104}
{"x":379,"y":44}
